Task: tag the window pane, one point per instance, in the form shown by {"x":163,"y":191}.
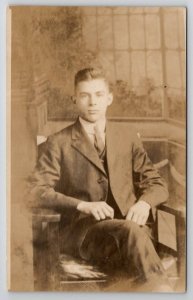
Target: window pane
{"x":137,"y":32}
{"x":121,"y":32}
{"x":152,"y":31}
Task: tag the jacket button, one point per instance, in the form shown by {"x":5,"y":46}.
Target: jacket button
{"x":100,"y":180}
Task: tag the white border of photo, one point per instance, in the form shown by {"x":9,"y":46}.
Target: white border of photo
{"x":4,"y":294}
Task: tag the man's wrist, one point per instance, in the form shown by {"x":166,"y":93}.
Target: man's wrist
{"x":80,"y":204}
{"x":145,"y":203}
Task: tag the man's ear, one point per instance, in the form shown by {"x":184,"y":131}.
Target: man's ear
{"x":110,"y":98}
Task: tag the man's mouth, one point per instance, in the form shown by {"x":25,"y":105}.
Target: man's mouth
{"x":93,"y":111}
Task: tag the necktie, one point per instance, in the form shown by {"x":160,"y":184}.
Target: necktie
{"x":98,"y":141}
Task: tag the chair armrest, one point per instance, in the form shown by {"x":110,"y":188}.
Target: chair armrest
{"x":45,"y":215}
{"x":174,"y":209}
{"x":45,"y":224}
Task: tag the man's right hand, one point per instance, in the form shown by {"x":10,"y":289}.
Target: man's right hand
{"x":99,"y":210}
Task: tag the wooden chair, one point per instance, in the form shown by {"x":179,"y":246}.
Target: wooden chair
{"x":48,"y":273}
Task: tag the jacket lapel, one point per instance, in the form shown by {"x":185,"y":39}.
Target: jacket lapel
{"x":110,"y":147}
{"x":113,"y":150}
{"x":82,"y":144}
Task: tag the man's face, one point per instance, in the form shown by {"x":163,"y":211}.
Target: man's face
{"x":92,"y":99}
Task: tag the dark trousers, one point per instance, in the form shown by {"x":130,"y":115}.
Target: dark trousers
{"x":122,"y":243}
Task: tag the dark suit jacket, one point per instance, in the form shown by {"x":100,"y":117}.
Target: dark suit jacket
{"x":69,"y":171}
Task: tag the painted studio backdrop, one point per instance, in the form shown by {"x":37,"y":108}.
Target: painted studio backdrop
{"x":143,"y":51}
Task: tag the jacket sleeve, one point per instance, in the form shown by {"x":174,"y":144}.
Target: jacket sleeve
{"x":45,"y":177}
{"x":151,"y":187}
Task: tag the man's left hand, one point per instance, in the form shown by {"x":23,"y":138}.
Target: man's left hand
{"x":139,"y":212}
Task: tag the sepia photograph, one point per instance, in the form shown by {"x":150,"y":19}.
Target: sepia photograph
{"x":96,"y":148}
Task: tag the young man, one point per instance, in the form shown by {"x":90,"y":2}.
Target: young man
{"x":100,"y":176}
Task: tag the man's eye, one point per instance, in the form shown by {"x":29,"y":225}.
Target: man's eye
{"x":84,"y":96}
{"x":100,"y":95}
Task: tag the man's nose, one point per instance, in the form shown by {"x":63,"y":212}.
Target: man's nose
{"x":92,"y":100}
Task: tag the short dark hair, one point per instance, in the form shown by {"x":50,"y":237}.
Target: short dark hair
{"x":90,"y":74}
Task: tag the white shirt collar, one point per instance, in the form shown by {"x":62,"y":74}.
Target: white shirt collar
{"x":89,"y":127}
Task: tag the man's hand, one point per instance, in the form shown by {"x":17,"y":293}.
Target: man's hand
{"x":139,"y":212}
{"x":99,"y":210}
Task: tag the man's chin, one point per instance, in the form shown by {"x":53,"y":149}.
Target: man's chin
{"x":91,"y":119}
